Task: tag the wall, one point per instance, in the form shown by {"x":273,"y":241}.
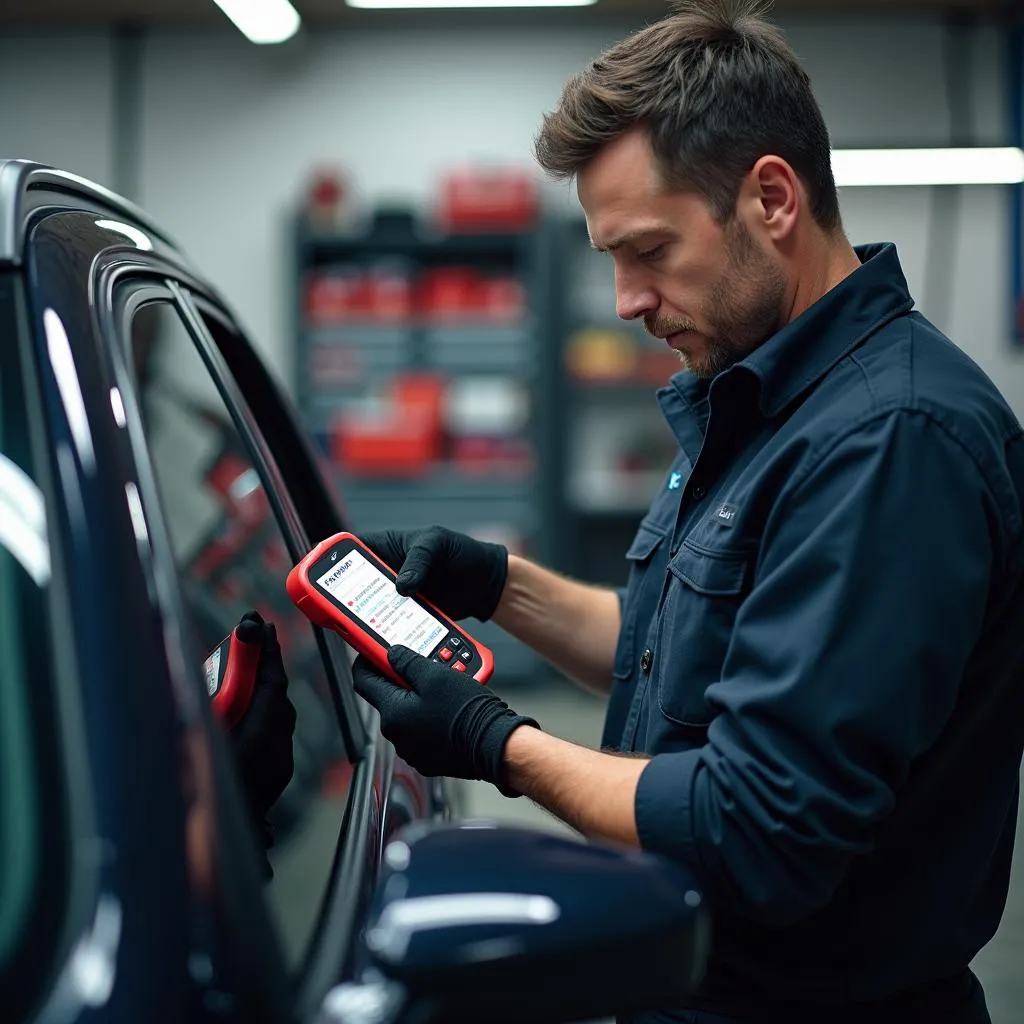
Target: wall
{"x":230,"y":132}
{"x":56,"y":104}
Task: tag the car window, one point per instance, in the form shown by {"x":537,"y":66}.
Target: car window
{"x":231,"y":556}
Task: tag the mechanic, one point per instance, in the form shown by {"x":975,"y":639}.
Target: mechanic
{"x":816,"y":672}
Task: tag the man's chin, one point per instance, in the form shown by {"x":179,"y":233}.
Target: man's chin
{"x":697,"y":366}
{"x":702,"y":371}
{"x":707,"y":365}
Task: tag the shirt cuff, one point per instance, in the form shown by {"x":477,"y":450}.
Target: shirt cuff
{"x":664,"y":807}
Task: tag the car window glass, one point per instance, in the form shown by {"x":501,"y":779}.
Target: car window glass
{"x":231,"y":557}
{"x":33,"y":830}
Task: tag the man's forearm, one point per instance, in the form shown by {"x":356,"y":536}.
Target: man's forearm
{"x":595,"y":793}
{"x":573,"y":625}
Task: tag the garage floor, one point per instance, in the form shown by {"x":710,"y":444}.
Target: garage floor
{"x":567,"y":712}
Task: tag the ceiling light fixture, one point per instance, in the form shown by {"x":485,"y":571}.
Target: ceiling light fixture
{"x":891,"y":167}
{"x":262,"y":21}
{"x":391,"y":5}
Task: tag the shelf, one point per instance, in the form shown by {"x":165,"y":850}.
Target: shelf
{"x":510,"y":335}
{"x":324,"y":247}
{"x":359,"y":334}
{"x":447,"y":484}
{"x":624,"y":385}
{"x":370,"y":333}
{"x":345,"y":353}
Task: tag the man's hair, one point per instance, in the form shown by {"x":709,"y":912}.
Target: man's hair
{"x":716,"y":87}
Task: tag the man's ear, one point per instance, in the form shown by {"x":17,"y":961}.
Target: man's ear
{"x":771,"y":195}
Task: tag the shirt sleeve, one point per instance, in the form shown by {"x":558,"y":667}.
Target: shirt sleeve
{"x":844,"y":665}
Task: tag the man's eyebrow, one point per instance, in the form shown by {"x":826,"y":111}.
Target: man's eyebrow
{"x":630,"y":236}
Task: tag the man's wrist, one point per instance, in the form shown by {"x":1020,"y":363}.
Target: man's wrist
{"x":513,"y":577}
{"x":518,"y":754}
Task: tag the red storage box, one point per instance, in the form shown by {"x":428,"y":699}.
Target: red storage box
{"x":404,"y":439}
{"x":489,"y":199}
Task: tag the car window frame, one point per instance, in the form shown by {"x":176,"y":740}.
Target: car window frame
{"x":239,"y":887}
{"x":68,"y":257}
{"x":330,"y":953}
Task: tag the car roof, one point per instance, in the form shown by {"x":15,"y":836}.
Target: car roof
{"x":22,"y":181}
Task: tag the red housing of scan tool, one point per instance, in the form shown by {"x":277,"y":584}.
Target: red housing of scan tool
{"x":231,"y":677}
{"x":343,"y":586}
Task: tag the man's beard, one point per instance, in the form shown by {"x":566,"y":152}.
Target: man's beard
{"x":744,"y":307}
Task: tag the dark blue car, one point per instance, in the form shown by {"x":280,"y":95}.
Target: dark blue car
{"x":154,"y":485}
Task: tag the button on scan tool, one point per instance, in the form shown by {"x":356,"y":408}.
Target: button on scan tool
{"x":466,"y":655}
{"x":454,"y":643}
{"x":444,"y":654}
{"x":458,"y":666}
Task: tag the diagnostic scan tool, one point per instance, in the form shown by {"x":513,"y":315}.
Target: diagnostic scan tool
{"x":343,"y":586}
{"x":231,"y":677}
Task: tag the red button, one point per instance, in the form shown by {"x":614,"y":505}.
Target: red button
{"x":444,"y":654}
{"x":459,"y":667}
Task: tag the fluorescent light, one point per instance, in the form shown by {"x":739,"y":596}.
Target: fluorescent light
{"x":392,"y":5}
{"x":262,"y":21}
{"x":860,"y":167}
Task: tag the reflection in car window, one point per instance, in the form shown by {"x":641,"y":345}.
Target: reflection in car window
{"x":31,"y":841}
{"x":231,"y":557}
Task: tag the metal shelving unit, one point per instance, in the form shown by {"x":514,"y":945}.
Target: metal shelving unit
{"x":344,"y":360}
{"x":616,"y":446}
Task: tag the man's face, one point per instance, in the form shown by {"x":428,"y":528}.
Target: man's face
{"x":712,"y":292}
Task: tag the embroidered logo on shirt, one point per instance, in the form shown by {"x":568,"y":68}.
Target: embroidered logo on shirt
{"x":726,"y":514}
{"x":674,"y":481}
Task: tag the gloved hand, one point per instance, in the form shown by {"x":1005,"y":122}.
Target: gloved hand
{"x":464,"y":577}
{"x":262,"y":739}
{"x":445,"y":724}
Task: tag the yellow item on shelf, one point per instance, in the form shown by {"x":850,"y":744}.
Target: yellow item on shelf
{"x":601,"y":354}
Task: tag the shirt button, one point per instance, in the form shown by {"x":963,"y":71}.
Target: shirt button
{"x":645,"y":660}
{"x":698,"y":492}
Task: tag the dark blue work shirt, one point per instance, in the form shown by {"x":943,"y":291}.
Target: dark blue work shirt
{"x":822,"y":645}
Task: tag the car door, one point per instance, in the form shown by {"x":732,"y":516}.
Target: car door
{"x":235,"y":529}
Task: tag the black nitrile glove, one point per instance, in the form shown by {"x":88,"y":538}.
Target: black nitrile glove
{"x":464,"y":577}
{"x":262,"y":739}
{"x":446,"y":724}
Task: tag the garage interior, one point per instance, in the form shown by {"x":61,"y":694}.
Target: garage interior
{"x":364,"y":195}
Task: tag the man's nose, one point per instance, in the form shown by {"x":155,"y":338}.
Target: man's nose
{"x":633,"y":298}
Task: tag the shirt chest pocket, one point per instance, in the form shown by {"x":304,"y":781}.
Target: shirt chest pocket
{"x":703,"y":593}
{"x":647,"y":557}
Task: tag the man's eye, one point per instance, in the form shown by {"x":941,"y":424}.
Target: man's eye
{"x":650,"y":254}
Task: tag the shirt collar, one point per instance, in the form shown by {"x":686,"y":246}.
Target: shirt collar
{"x":799,"y":355}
